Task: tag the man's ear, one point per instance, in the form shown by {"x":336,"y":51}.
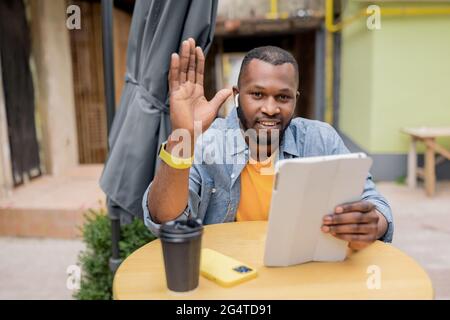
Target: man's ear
{"x":297,"y":95}
{"x":235,"y":90}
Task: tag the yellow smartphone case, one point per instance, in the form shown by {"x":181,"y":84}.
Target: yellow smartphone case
{"x":223,"y":269}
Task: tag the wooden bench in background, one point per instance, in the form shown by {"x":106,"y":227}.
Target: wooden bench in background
{"x":426,"y":135}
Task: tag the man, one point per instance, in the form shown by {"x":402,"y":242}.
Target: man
{"x":227,"y":189}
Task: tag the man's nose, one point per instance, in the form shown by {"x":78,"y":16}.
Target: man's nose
{"x":271,"y":107}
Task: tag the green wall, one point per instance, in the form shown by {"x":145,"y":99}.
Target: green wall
{"x":395,"y":77}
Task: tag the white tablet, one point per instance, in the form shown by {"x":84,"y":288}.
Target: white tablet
{"x":305,"y":190}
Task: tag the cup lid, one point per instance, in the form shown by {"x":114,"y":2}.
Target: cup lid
{"x":182,"y":227}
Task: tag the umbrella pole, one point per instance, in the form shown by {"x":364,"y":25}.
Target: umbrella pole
{"x":114,"y":260}
{"x":108,"y":73}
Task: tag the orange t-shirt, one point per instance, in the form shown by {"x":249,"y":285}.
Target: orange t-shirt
{"x":256,"y":190}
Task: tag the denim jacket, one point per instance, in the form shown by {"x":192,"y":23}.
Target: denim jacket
{"x":219,"y":158}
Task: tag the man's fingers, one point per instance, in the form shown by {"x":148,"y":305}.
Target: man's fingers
{"x":200,"y":66}
{"x":349,"y":218}
{"x":191,"y":66}
{"x":364,"y":228}
{"x":174,"y":73}
{"x":362,"y":206}
{"x":184,"y":61}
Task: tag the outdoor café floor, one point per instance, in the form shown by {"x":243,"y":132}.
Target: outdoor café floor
{"x":36,"y":268}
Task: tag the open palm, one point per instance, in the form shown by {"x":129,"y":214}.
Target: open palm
{"x":187,"y":98}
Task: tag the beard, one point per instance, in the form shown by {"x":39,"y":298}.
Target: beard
{"x":264,"y":137}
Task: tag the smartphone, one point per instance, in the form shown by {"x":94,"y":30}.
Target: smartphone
{"x":224,"y":270}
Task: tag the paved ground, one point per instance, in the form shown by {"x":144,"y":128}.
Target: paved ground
{"x":36,"y":269}
{"x":422,"y":229}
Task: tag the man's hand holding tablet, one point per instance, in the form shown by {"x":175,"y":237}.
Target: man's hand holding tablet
{"x":359,"y":223}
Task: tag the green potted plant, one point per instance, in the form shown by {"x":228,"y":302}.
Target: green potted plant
{"x":96,"y":277}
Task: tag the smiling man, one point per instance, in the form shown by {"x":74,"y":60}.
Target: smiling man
{"x":237,"y":186}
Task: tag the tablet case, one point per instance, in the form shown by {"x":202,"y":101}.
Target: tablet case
{"x":305,"y":190}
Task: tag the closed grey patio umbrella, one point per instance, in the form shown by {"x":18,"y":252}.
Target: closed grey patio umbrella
{"x":142,"y":121}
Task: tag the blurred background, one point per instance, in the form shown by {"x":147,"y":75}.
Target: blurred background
{"x":369,"y":76}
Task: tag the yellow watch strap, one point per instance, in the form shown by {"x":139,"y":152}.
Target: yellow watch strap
{"x":174,"y":162}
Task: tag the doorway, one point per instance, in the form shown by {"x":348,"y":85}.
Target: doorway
{"x":15,"y":49}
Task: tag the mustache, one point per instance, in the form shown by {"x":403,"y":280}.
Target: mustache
{"x":245,"y":122}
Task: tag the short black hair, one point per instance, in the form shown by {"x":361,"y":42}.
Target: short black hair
{"x":270,"y":54}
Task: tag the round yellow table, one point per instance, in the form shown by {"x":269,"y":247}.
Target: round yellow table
{"x":142,"y":276}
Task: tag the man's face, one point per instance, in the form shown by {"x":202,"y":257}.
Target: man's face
{"x":267,"y":98}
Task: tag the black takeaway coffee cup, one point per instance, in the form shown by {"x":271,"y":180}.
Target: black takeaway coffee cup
{"x":181,"y":246}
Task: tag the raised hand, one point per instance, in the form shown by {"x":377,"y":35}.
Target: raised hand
{"x":187,"y":98}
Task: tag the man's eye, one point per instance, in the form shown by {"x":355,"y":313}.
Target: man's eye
{"x":283,"y":97}
{"x":257,"y":94}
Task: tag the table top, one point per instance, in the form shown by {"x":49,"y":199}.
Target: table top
{"x":428,"y":132}
{"x":142,"y":276}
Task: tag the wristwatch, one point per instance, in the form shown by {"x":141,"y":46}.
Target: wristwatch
{"x":172,"y":161}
